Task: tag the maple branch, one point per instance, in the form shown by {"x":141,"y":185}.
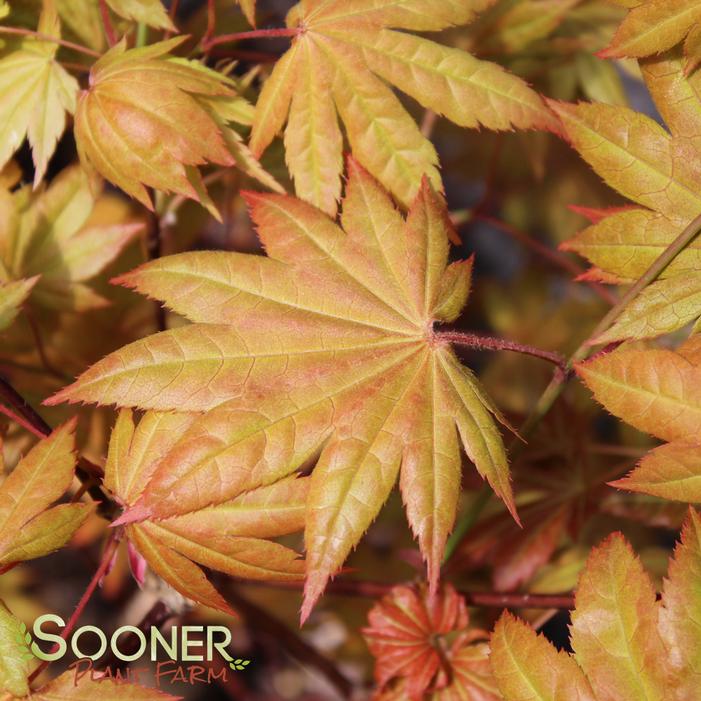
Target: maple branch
{"x":260,"y":620}
{"x":107,"y":23}
{"x":105,"y":562}
{"x":376,"y":590}
{"x":253,"y":34}
{"x":554,"y":257}
{"x":154,"y":250}
{"x":478,"y":342}
{"x":54,"y":40}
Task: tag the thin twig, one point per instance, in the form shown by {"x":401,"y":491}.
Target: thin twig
{"x":106,"y":560}
{"x":54,"y":40}
{"x":545,"y":252}
{"x":107,"y":23}
{"x":260,"y":620}
{"x":154,"y":250}
{"x":478,"y":342}
{"x":253,"y":34}
{"x":376,"y":590}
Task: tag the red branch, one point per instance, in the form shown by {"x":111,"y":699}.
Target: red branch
{"x":253,"y":34}
{"x":107,"y":555}
{"x":473,"y":340}
{"x":54,"y":40}
{"x":376,"y":590}
{"x":107,"y":23}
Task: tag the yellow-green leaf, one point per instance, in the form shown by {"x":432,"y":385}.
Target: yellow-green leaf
{"x":663,"y":307}
{"x":12,"y":296}
{"x":37,"y":92}
{"x":150,"y":12}
{"x":653,"y":390}
{"x":671,"y":471}
{"x":351,"y":45}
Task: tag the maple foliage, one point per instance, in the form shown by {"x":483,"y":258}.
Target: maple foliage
{"x":28,"y":527}
{"x":338,"y":61}
{"x":209,"y":393}
{"x":38,"y":93}
{"x":425,"y":648}
{"x":403,"y":406}
{"x":228,"y":537}
{"x":626,"y":644}
{"x":654,"y":26}
{"x":120,"y":134}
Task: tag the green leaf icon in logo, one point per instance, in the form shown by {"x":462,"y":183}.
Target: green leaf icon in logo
{"x":239,"y":664}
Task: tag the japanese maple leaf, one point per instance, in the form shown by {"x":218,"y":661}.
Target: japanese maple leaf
{"x":626,"y":644}
{"x":660,"y":172}
{"x":28,"y":527}
{"x":327,"y":344}
{"x":655,"y":390}
{"x":425,"y":649}
{"x":151,"y":119}
{"x":340,"y":61}
{"x":49,"y":248}
{"x":229,"y":537}
{"x":12,"y":296}
{"x":654,"y":26}
{"x":36,"y":92}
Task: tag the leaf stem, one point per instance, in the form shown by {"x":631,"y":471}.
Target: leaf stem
{"x":376,"y":590}
{"x":107,"y":23}
{"x":106,"y":560}
{"x":473,"y":340}
{"x":252,"y":34}
{"x":54,"y":40}
{"x":557,"y":382}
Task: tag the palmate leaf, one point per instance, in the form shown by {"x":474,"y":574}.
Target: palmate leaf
{"x":425,"y":649}
{"x":47,"y":237}
{"x":657,"y":170}
{"x":230,"y":537}
{"x":326,"y":344}
{"x":151,"y":119}
{"x":626,"y":644}
{"x":36,"y":94}
{"x":28,"y":527}
{"x":654,"y":26}
{"x":341,"y":60}
{"x":654,"y":390}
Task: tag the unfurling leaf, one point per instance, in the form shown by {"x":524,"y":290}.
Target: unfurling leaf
{"x":327,"y":344}
{"x":36,"y":92}
{"x":151,"y":119}
{"x":229,"y":537}
{"x":424,"y":648}
{"x":626,"y":644}
{"x":27,"y":529}
{"x":339,"y":61}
